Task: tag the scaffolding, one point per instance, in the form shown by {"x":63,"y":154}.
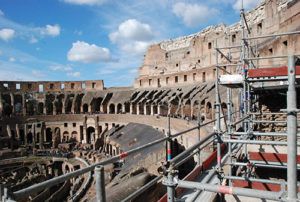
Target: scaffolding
{"x":236,"y":141}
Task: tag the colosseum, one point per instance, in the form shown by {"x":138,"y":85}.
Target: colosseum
{"x":196,"y":88}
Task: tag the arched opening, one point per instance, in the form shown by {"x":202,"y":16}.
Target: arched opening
{"x":7,"y":108}
{"x":66,"y":137}
{"x":29,"y":138}
{"x":90,"y":134}
{"x":40,"y":108}
{"x":68,"y":104}
{"x":95,"y":104}
{"x":37,"y":137}
{"x":49,"y":135}
{"x":22,"y":136}
{"x":187,"y":109}
{"x":18,"y":104}
{"x":134,"y":108}
{"x":59,"y":104}
{"x":208,"y":110}
{"x":119,"y":109}
{"x":111,"y":108}
{"x":85,"y":108}
{"x":224,"y":109}
{"x":57,"y":138}
{"x":49,"y":104}
{"x":196,"y":109}
{"x":74,"y":137}
{"x":67,"y":169}
{"x":154,"y":109}
{"x":163,"y":109}
{"x":77,"y":105}
{"x":148,"y":109}
{"x":141,"y":108}
{"x":127,"y":107}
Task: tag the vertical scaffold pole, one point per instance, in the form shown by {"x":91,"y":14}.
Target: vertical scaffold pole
{"x":170,"y":188}
{"x":218,"y":123}
{"x":229,"y":116}
{"x":199,"y":124}
{"x":100,"y":184}
{"x":292,"y":132}
{"x":169,"y":143}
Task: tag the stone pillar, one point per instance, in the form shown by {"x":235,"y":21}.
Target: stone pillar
{"x":116,"y":109}
{"x":54,"y":109}
{"x":42,"y":135}
{"x":89,"y":108}
{"x":130,"y":108}
{"x":18,"y":136}
{"x":23,"y":104}
{"x":12,"y":101}
{"x":101,"y":108}
{"x":138,"y":109}
{"x":123,"y":108}
{"x":33,"y":135}
{"x":63,"y":110}
{"x":25,"y":134}
{"x":158,"y":109}
{"x":151,"y":109}
{"x":145,"y":109}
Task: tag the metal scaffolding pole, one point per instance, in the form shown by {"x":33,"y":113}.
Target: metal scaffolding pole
{"x":199,"y":122}
{"x":230,"y":190}
{"x":169,"y":143}
{"x":100,"y":184}
{"x":292,"y":132}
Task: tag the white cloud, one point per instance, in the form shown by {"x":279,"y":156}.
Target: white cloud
{"x":79,"y":33}
{"x":7,"y":34}
{"x":37,"y":73}
{"x":60,"y":68}
{"x":193,"y":14}
{"x":133,"y":30}
{"x":106,"y":71}
{"x":247,"y":4}
{"x":12,"y":59}
{"x":133,"y":37}
{"x":1,"y":12}
{"x":86,"y":53}
{"x":133,"y":71}
{"x":86,"y":2}
{"x":51,"y":30}
{"x":33,"y":40}
{"x":73,"y":74}
{"x":135,"y":48}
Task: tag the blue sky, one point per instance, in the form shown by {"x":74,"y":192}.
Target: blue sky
{"x":64,"y":40}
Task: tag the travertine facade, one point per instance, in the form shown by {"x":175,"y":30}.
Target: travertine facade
{"x":192,"y":58}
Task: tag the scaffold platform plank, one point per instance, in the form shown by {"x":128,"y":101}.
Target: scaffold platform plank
{"x":270,"y":72}
{"x":269,"y":157}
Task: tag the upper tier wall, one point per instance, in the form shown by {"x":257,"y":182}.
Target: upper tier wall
{"x":41,"y":86}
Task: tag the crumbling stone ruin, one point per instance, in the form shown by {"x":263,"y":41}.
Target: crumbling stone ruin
{"x":64,"y":119}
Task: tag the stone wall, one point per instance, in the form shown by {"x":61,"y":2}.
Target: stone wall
{"x":196,"y":53}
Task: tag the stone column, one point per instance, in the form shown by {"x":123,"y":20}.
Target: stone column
{"x":25,"y":134}
{"x":123,"y":108}
{"x":145,"y":109}
{"x":101,"y":108}
{"x":54,"y":109}
{"x":158,"y":109}
{"x":18,"y":136}
{"x":23,"y":104}
{"x":130,"y":108}
{"x":151,"y":109}
{"x":12,"y":101}
{"x":138,"y":109}
{"x":116,"y":109}
{"x":42,"y":135}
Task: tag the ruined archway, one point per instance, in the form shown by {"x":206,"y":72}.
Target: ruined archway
{"x":127,"y":107}
{"x":85,"y":108}
{"x":56,"y":138}
{"x":49,"y":135}
{"x":18,"y":104}
{"x":119,"y":109}
{"x":29,"y":138}
{"x":40,"y":108}
{"x":148,"y":109}
{"x":154,"y":109}
{"x":66,"y":136}
{"x":68,"y":104}
{"x":90,"y":135}
{"x":196,"y":108}
{"x":111,"y":109}
{"x":141,"y":108}
{"x":49,"y":104}
{"x":95,"y":104}
{"x":187,"y":109}
{"x":77,"y":104}
{"x":74,"y":136}
{"x":208,"y":110}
